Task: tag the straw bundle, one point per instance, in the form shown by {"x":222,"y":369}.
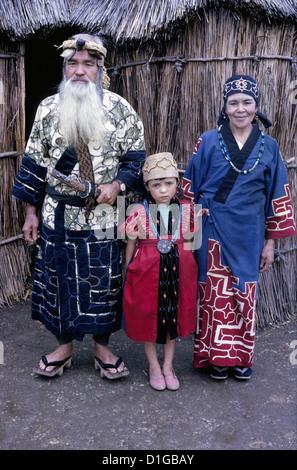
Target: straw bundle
{"x":22,"y":18}
{"x":14,"y":259}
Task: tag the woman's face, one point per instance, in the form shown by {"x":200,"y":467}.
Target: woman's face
{"x":241,"y":110}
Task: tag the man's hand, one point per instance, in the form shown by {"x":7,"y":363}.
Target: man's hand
{"x":30,"y":228}
{"x":267,"y":256}
{"x":108,"y":193}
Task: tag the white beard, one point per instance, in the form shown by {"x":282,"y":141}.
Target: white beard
{"x":81,"y":113}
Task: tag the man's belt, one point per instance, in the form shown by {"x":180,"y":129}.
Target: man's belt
{"x":85,"y":188}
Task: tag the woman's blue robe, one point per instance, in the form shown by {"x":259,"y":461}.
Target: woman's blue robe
{"x":241,"y":210}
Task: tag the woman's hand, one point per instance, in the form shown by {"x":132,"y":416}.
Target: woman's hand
{"x":267,"y":256}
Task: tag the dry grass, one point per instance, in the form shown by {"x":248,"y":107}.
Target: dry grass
{"x":14,"y":259}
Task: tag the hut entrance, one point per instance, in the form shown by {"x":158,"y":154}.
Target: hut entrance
{"x":43,"y":70}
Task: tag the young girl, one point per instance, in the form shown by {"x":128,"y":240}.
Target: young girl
{"x":160,"y":294}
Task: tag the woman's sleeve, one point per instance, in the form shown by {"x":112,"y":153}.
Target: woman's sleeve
{"x":192,"y":178}
{"x":279,"y":210}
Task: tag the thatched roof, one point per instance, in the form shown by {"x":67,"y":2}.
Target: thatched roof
{"x":22,"y":18}
{"x":130,"y":19}
{"x":126,"y":19}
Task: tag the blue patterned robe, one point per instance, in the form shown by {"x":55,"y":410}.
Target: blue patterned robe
{"x":243,"y":209}
{"x":78,"y":270}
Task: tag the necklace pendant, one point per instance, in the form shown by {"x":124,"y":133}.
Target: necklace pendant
{"x":164,"y":246}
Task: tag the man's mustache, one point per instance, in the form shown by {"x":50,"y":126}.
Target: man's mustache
{"x":75,"y":78}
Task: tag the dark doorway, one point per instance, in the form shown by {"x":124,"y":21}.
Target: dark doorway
{"x":43,"y":69}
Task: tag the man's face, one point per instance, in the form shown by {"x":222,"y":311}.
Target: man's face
{"x":81,"y":68}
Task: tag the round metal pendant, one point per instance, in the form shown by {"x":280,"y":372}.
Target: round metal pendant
{"x":164,"y":246}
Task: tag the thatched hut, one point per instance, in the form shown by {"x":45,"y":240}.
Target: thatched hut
{"x":169,"y":60}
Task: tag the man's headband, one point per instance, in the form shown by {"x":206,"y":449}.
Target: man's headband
{"x":80,"y":44}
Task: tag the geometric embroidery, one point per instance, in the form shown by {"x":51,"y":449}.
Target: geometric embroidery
{"x":227,"y":330}
{"x":283,"y":218}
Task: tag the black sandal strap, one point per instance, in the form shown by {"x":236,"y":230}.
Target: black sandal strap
{"x":110,"y":366}
{"x":54,"y":363}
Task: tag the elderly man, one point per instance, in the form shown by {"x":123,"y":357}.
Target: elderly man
{"x":85,"y":147}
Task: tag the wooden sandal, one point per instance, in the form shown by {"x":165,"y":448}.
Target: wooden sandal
{"x":58,"y":370}
{"x":110,"y":375}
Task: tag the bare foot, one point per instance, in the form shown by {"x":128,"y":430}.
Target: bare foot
{"x":105,"y":355}
{"x":61,"y":353}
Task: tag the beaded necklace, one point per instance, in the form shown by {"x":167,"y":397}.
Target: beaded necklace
{"x":227,"y":156}
{"x":164,"y":246}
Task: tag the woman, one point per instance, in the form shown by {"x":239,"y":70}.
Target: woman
{"x":237,"y":174}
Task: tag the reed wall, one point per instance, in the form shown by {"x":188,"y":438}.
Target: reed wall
{"x":14,"y":255}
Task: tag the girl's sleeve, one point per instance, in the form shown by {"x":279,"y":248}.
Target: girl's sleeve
{"x":133,"y":225}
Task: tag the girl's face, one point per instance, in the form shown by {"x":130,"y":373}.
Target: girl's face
{"x":162,"y":190}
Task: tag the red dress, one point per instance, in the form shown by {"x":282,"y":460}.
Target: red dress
{"x":141,"y":304}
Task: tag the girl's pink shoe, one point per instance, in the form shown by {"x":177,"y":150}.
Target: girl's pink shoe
{"x":157,"y":382}
{"x":172,"y":382}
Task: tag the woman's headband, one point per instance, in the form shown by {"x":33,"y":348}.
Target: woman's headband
{"x":242,"y":84}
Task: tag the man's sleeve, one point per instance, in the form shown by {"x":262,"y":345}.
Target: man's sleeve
{"x":133,"y":149}
{"x":29,"y":185}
